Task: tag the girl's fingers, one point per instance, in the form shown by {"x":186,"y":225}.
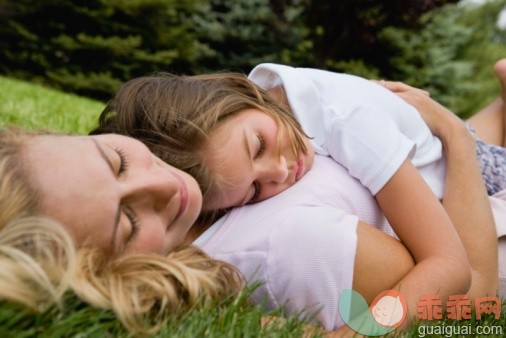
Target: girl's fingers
{"x":397,"y":87}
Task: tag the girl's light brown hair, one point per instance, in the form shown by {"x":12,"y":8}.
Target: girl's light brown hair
{"x":174,"y":116}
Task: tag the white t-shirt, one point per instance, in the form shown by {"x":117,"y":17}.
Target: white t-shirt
{"x":300,"y":243}
{"x":361,"y":125}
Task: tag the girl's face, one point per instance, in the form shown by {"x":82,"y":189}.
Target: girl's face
{"x":247,"y":151}
{"x":110,"y":191}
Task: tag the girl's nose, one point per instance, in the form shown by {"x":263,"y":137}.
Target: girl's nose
{"x":275,"y":171}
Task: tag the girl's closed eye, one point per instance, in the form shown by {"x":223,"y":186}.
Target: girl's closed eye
{"x":254,"y":198}
{"x":261,"y":146}
{"x":260,"y":152}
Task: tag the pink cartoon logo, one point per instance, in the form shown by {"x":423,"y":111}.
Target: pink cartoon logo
{"x":389,"y":308}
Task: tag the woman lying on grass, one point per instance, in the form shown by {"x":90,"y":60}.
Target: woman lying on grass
{"x":63,"y":226}
{"x":115,"y":258}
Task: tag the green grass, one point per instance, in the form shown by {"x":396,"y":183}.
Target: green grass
{"x":75,"y":319}
{"x":36,"y":107}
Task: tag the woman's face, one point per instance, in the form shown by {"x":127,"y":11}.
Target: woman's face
{"x":110,"y":191}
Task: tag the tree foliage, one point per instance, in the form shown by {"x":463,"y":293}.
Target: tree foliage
{"x":243,"y":33}
{"x":348,"y":29}
{"x":486,"y":45}
{"x":90,"y":47}
{"x":452,"y":56}
{"x":429,"y":58}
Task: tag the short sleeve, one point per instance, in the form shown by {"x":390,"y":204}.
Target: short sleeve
{"x":368,"y":143}
{"x":310,"y":262}
{"x":498,"y":203}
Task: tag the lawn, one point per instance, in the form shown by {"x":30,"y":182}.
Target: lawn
{"x":36,"y":107}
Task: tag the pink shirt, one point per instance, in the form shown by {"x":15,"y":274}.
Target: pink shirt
{"x":301,"y":243}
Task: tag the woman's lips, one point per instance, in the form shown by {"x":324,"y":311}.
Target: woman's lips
{"x":183,"y":195}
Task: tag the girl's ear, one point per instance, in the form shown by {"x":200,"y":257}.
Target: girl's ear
{"x":278,"y":94}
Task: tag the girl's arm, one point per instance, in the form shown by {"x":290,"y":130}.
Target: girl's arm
{"x":465,"y":198}
{"x":426,"y":230}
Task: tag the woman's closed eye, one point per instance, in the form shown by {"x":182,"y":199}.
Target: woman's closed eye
{"x":123,"y":161}
{"x":135,"y":226}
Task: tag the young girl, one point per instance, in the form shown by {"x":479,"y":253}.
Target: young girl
{"x":369,"y":136}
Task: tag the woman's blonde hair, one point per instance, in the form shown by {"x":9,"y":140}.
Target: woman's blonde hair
{"x":145,"y":290}
{"x":35,"y":253}
{"x":174,"y":116}
{"x":39,"y":262}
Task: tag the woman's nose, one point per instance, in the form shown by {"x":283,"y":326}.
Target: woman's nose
{"x":157,"y":186}
{"x":275,"y":171}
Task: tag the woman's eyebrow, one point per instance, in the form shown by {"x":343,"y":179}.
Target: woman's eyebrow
{"x":118,"y":212}
{"x":103,"y":154}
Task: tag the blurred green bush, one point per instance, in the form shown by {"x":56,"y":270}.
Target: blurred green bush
{"x":91,"y":47}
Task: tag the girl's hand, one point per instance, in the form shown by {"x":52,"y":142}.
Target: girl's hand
{"x":400,"y":87}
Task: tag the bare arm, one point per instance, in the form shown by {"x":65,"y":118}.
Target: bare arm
{"x":379,"y":258}
{"x":426,"y":230}
{"x":465,"y":198}
{"x":380,"y":262}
